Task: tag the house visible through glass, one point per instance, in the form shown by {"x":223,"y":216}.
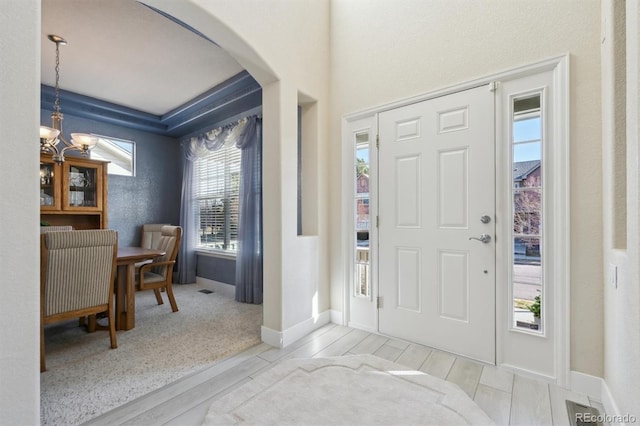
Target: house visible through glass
{"x":362,"y":218}
{"x":527,"y":199}
{"x":119,"y":152}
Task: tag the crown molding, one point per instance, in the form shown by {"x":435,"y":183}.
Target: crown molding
{"x":229,"y":98}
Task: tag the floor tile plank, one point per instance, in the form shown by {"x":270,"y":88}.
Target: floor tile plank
{"x":494,"y":402}
{"x":530,"y":402}
{"x":343,"y":345}
{"x":438,"y":364}
{"x":369,"y":345}
{"x":414,"y":356}
{"x":466,"y":374}
{"x":497,"y":378}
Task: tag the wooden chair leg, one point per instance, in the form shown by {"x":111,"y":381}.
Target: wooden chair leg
{"x":112,"y":329}
{"x":43,"y":364}
{"x":158,"y":296}
{"x":172,"y":299}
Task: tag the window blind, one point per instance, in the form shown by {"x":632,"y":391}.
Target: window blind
{"x":216,"y":184}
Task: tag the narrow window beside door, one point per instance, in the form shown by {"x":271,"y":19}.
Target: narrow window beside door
{"x":527,"y":199}
{"x":362,"y":218}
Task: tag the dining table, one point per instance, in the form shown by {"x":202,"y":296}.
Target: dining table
{"x":127,"y":258}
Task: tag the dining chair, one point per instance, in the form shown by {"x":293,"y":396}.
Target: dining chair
{"x":50,"y":228}
{"x":150,"y":238}
{"x":158,"y":274}
{"x":151,"y":233}
{"x":77,"y":273}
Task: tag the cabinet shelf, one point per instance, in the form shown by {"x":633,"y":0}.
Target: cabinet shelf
{"x":75,"y":193}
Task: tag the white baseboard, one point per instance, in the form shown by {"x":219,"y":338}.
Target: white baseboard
{"x":282,"y":339}
{"x":587,"y":385}
{"x":225,"y":290}
{"x":337,"y":317}
{"x":610,"y":406}
{"x":597,"y":389}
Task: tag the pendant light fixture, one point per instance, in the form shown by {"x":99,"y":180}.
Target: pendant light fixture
{"x":50,"y":137}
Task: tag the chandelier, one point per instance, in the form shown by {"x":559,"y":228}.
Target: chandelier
{"x":51,"y":136}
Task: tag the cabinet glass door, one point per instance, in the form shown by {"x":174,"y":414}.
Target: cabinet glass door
{"x":49,"y":186}
{"x":83,"y":187}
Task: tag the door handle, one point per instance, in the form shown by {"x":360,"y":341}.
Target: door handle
{"x":484,"y":238}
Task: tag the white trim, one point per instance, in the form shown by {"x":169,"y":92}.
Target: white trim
{"x":596,"y":388}
{"x":559,"y":65}
{"x":547,"y":64}
{"x":271,"y":337}
{"x":337,"y":317}
{"x":282,"y":339}
{"x":586,"y":384}
{"x":216,"y":253}
{"x":609,"y":403}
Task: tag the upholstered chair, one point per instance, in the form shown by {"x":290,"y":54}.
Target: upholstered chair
{"x":77,"y":273}
{"x":151,"y":233}
{"x":158,"y":274}
{"x":150,"y":238}
{"x":44,"y":229}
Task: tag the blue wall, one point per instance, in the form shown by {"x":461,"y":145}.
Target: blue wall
{"x":153,"y":195}
{"x":216,"y":268}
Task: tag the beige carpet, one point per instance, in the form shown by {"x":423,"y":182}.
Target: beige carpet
{"x":348,"y":390}
{"x":85,"y":378}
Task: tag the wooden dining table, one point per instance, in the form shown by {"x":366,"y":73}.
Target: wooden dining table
{"x":126,"y":281}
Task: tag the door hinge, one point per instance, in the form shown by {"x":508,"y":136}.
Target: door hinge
{"x":379,"y":302}
{"x":493,"y":86}
{"x":377,"y":141}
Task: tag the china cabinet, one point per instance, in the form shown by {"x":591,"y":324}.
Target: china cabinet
{"x":74,"y":192}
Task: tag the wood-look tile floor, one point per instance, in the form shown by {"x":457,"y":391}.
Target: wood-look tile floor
{"x":507,"y":398}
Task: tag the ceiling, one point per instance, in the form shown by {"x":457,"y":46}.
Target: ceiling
{"x":123,"y":52}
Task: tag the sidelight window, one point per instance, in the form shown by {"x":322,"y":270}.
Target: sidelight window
{"x":527,"y":213}
{"x":362,"y":217}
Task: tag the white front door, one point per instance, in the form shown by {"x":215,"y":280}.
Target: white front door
{"x":437,"y":200}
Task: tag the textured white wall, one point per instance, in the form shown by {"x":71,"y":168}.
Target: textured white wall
{"x":383,"y":51}
{"x":19,"y":213}
{"x":622,"y":305}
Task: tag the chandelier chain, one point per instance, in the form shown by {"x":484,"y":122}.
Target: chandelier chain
{"x":56,"y":104}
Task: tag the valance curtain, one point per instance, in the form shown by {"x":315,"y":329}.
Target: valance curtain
{"x":247,"y":136}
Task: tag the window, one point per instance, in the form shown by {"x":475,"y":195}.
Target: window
{"x":361,"y":208}
{"x":119,"y":152}
{"x":527,"y":198}
{"x":216,"y":184}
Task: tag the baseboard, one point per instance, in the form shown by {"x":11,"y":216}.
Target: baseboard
{"x":597,"y":389}
{"x":528,"y":373}
{"x":282,"y":339}
{"x":337,"y":317}
{"x":224,"y":289}
{"x":614,"y":416}
{"x":587,"y":385}
{"x":363,"y":327}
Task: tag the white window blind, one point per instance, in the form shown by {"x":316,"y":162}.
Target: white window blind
{"x":216,"y":185}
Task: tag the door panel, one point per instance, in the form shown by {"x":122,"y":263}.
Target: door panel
{"x":436,"y":179}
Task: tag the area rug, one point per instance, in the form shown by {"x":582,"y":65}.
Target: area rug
{"x":86,"y":378}
{"x":349,"y":390}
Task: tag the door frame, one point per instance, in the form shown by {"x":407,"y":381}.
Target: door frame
{"x":560,"y":244}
